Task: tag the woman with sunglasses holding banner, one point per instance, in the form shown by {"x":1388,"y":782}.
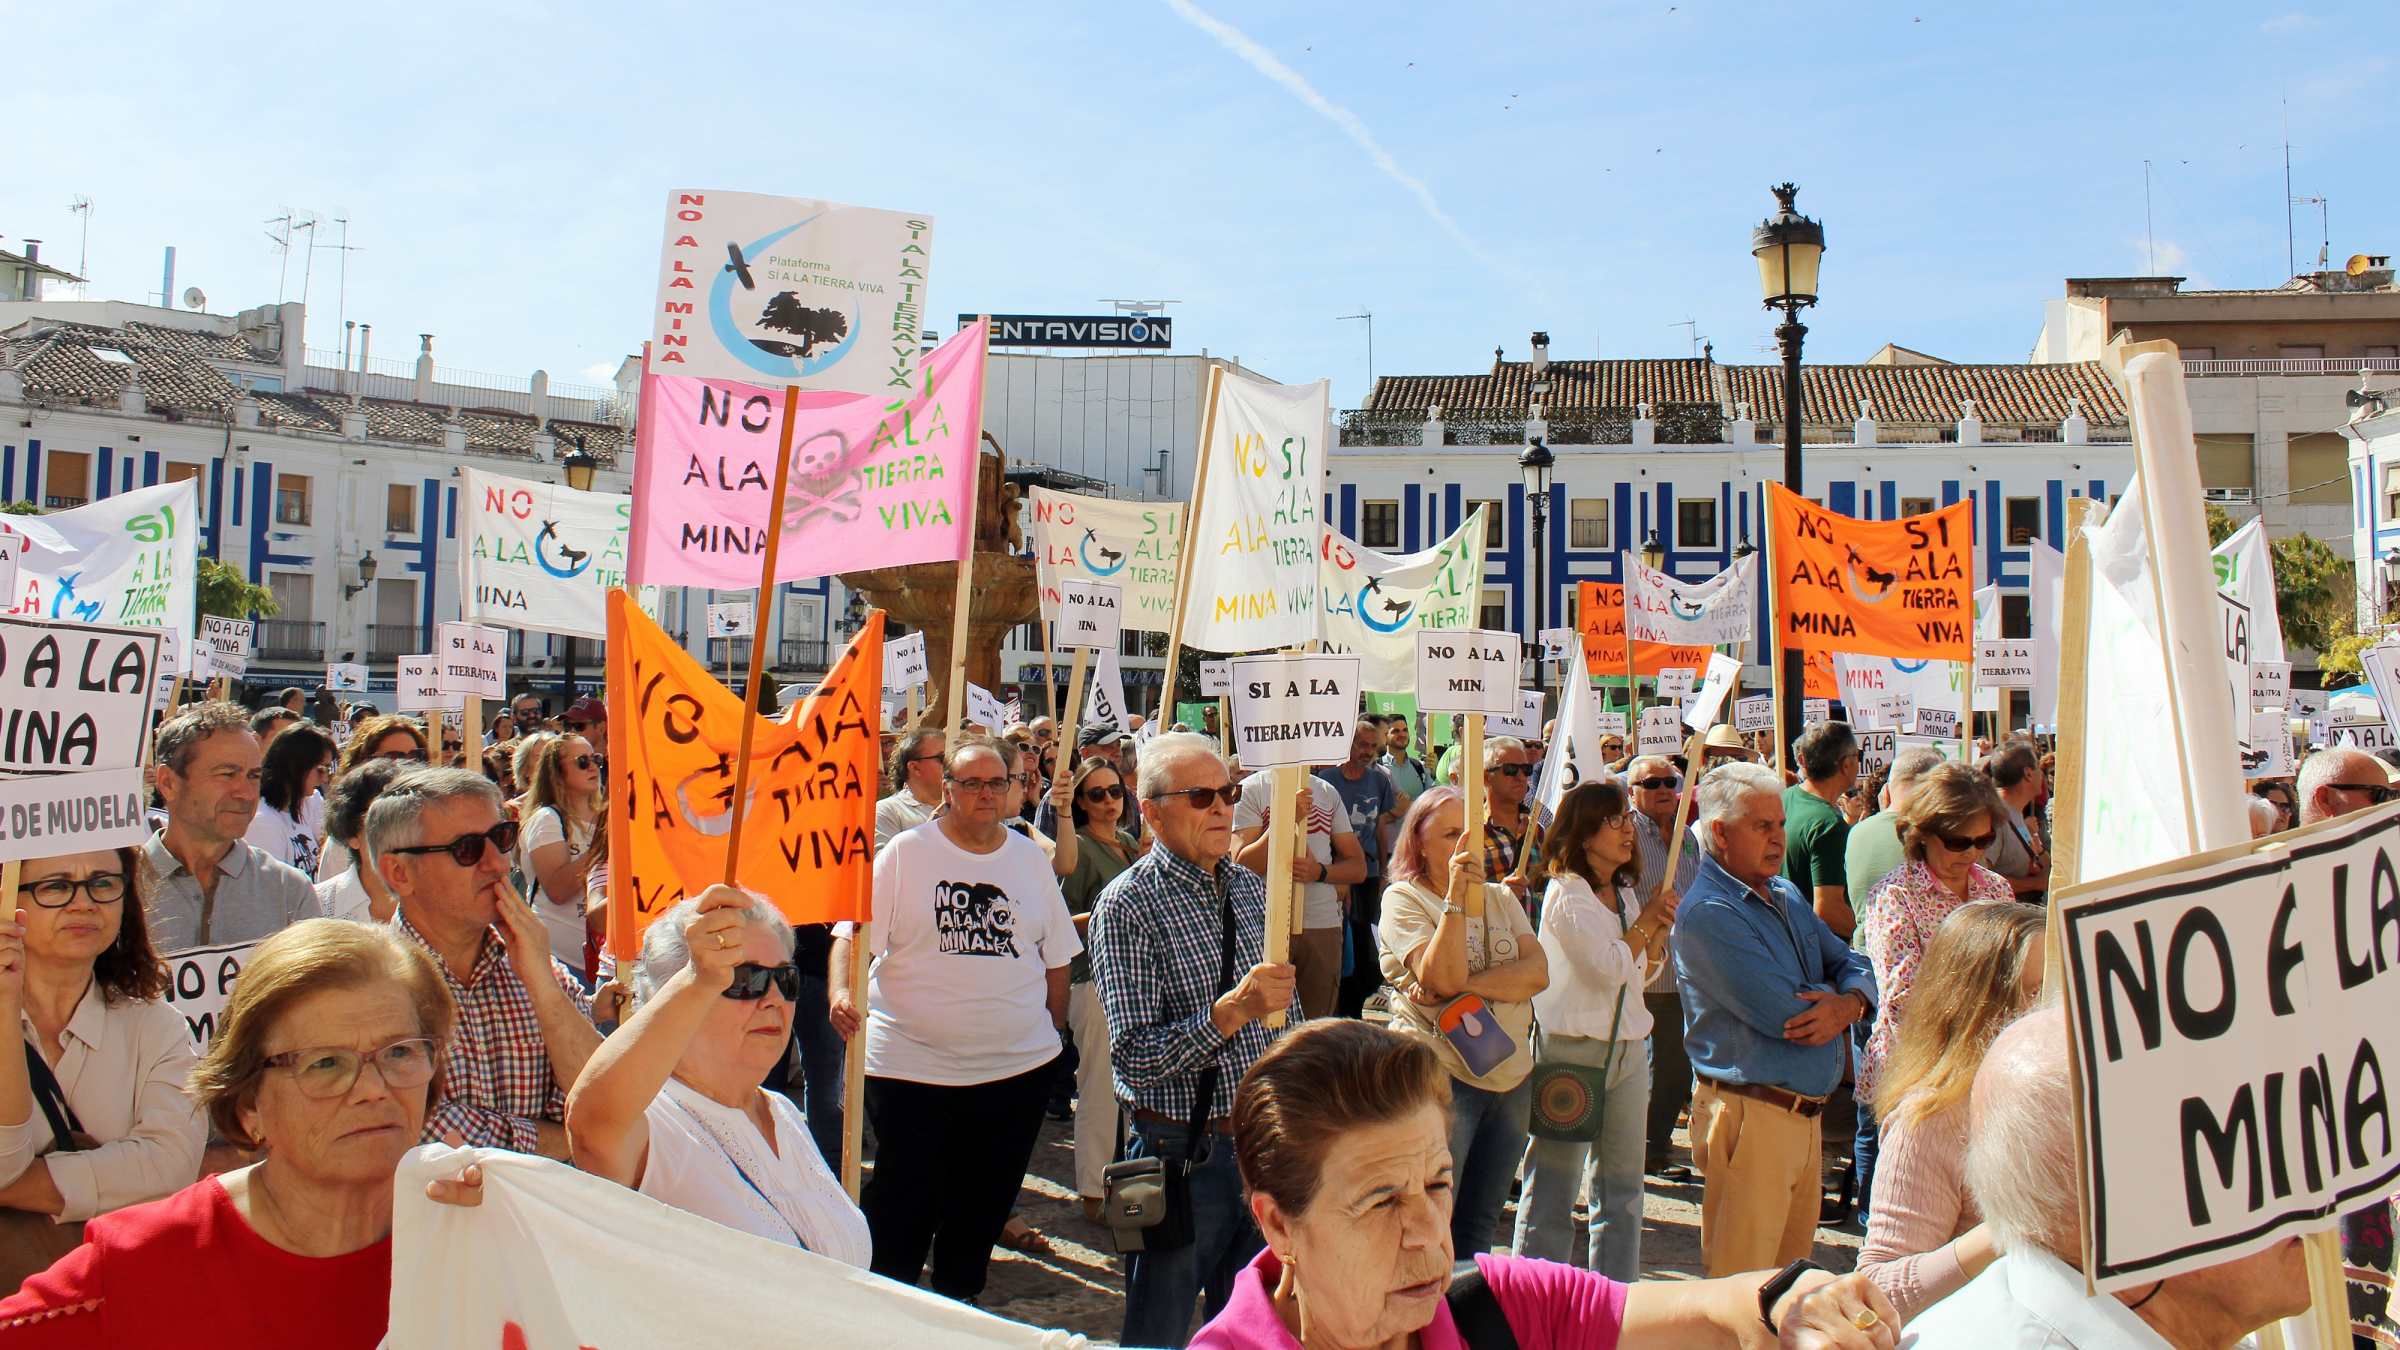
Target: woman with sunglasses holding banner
{"x":672,"y":1106}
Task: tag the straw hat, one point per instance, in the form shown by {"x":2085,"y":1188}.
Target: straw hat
{"x":1723,"y":738}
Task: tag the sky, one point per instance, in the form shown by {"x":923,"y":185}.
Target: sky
{"x":1468,"y":174}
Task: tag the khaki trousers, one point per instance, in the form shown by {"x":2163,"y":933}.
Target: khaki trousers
{"x":1764,"y":1182}
{"x":1317,"y":970}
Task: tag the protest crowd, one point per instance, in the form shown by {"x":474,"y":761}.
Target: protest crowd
{"x":1383,"y":997}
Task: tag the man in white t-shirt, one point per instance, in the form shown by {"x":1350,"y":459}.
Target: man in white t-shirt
{"x":1325,"y":869}
{"x":971,"y":943}
{"x":917,"y":791}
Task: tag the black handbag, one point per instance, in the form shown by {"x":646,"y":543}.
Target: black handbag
{"x":1147,"y":1202}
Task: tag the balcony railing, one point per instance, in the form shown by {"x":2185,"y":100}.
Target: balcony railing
{"x":291,"y":640}
{"x":2294,"y":365}
{"x":804,"y":654}
{"x":63,"y":503}
{"x":389,"y":641}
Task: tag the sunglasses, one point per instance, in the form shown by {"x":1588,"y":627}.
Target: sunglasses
{"x":1202,"y":798}
{"x":1512,"y":770}
{"x":105,"y":888}
{"x":329,"y":1071}
{"x":1104,"y":794}
{"x":467,"y":849}
{"x":1975,"y":844}
{"x":417,"y":756}
{"x":750,"y":981}
{"x":2378,"y":793}
{"x":1658,"y":784}
{"x":580,"y":762}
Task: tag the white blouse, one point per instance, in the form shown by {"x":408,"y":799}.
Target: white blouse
{"x":709,"y":1159}
{"x":122,"y":1069}
{"x":1593,"y":969}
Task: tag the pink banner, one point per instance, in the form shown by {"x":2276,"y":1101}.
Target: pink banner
{"x":876,"y":480}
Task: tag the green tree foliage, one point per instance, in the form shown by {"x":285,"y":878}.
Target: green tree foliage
{"x":226,"y":594}
{"x":19,"y":509}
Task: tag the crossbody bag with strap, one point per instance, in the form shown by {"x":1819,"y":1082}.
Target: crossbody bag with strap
{"x":1148,"y":1201}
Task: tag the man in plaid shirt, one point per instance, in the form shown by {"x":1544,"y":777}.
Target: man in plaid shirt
{"x":1157,"y":934}
{"x":524,"y":1027}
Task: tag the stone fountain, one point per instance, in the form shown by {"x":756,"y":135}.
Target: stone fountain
{"x":924,"y":595}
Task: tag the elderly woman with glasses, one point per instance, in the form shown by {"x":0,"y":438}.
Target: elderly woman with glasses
{"x":1950,"y":819}
{"x":671,"y":1105}
{"x":324,"y":1061}
{"x":96,"y":1091}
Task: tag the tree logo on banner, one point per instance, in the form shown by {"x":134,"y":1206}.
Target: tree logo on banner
{"x":789,"y":341}
{"x":577,"y":559}
{"x":1115,"y":558}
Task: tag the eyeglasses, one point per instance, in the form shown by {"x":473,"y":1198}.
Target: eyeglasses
{"x":1113,"y":792}
{"x":416,"y":755}
{"x":580,"y":762}
{"x":105,"y":888}
{"x":1976,"y":844}
{"x":750,"y":981}
{"x":329,"y":1071}
{"x":977,"y":785}
{"x":1658,"y":784}
{"x":467,"y":849}
{"x":919,"y":759}
{"x":1202,"y":798}
{"x":2376,"y":792}
{"x":1512,"y":770}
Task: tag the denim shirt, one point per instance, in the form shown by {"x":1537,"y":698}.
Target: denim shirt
{"x":1742,"y":963}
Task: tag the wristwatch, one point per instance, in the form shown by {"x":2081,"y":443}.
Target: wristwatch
{"x":1772,"y":1292}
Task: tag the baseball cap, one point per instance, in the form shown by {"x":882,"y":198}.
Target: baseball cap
{"x":585,"y":709}
{"x":1100,"y":735}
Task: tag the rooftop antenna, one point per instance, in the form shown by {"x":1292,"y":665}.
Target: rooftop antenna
{"x":2324,"y":250}
{"x":1368,"y":315}
{"x":283,"y":247}
{"x":2291,"y":259}
{"x":308,"y":265}
{"x":82,"y":206}
{"x":1691,"y":329}
{"x":341,"y":304}
{"x":1139,"y":308}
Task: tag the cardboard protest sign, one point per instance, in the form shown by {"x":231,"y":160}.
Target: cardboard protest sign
{"x":1090,"y":614}
{"x":71,"y":812}
{"x":1375,"y":603}
{"x":2267,"y":747}
{"x":1132,"y":546}
{"x":809,"y":837}
{"x":731,"y":619}
{"x":1467,"y":671}
{"x":1937,"y":721}
{"x":1814,"y":710}
{"x":2227,"y":1011}
{"x":74,"y":697}
{"x":1659,"y":608}
{"x":877,"y":480}
{"x":200,"y":983}
{"x":1756,"y":713}
{"x":223,"y":651}
{"x":2270,"y":684}
{"x":985,"y":710}
{"x":131,"y":560}
{"x":471,"y":660}
{"x":790,"y":290}
{"x":541,"y":557}
{"x":1661,"y":730}
{"x":2368,"y":736}
{"x":1525,"y":723}
{"x":1611,"y":721}
{"x":417,"y":686}
{"x":904,"y":666}
{"x":1294,"y":709}
{"x":1557,"y":643}
{"x":1216,"y":677}
{"x":1600,"y":624}
{"x":2381,"y":664}
{"x":1257,"y":534}
{"x":1884,"y":587}
{"x":9,"y":549}
{"x":1876,"y":749}
{"x":1700,"y":711}
{"x":346,"y":677}
{"x":1677,"y":682}
{"x":2006,"y":663}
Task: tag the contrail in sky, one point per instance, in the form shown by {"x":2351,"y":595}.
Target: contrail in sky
{"x":1263,"y":61}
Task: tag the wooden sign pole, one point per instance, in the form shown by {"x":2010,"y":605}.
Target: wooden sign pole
{"x":1183,"y":547}
{"x":1281,"y":911}
{"x":1225,"y":724}
{"x":1072,"y":713}
{"x":1693,"y":749}
{"x":469,"y":742}
{"x":766,"y":585}
{"x":1470,"y":780}
{"x":10,"y":873}
{"x":854,"y":1068}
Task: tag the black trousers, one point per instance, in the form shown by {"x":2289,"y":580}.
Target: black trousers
{"x":948,"y":1163}
{"x":1670,"y":1074}
{"x":1366,"y":973}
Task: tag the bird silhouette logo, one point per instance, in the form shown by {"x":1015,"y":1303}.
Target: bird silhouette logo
{"x":1881,"y":580}
{"x":739,"y":266}
{"x":1108,"y":562}
{"x":1382,"y":612}
{"x":572,"y":560}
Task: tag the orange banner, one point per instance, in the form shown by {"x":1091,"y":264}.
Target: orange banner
{"x":673,"y":734}
{"x":1600,"y":618}
{"x":1822,"y":681}
{"x":1873,"y":587}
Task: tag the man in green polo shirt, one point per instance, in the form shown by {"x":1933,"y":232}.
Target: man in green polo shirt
{"x":1816,"y":838}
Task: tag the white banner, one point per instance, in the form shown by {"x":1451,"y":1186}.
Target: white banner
{"x":2134,"y":812}
{"x":1090,"y":614}
{"x":1722,"y":609}
{"x":1815,"y":710}
{"x":417,"y":686}
{"x":732,"y":619}
{"x":1558,"y":643}
{"x":70,"y":812}
{"x":1700,"y":713}
{"x":471,"y":660}
{"x":346,"y":677}
{"x":2381,"y":663}
{"x":9,"y":549}
{"x":1104,"y":695}
{"x":1216,"y":678}
{"x":1374,"y":603}
{"x":1128,"y":545}
{"x":554,"y":1257}
{"x":1574,"y":751}
{"x":1294,"y":709}
{"x":1661,"y":730}
{"x":1257,"y":534}
{"x":541,"y":557}
{"x":74,"y":697}
{"x":984,"y":709}
{"x":2228,"y":1009}
{"x":132,"y":560}
{"x":200,"y":983}
{"x":2047,"y":605}
{"x":904,"y":665}
{"x":2246,"y":576}
{"x":790,"y":290}
{"x":1467,"y":671}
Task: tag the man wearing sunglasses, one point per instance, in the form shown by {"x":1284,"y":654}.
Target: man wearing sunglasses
{"x":917,"y":793}
{"x":1657,"y":790}
{"x":439,"y":841}
{"x":2339,"y":781}
{"x":1184,"y":1024}
{"x":1508,"y":772}
{"x":971,"y":946}
{"x":207,"y":884}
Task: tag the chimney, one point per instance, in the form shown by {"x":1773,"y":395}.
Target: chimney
{"x":1541,"y":353}
{"x":245,"y":408}
{"x":366,"y":338}
{"x":1745,"y":427}
{"x":424,"y":392}
{"x":354,"y":422}
{"x":132,"y":399}
{"x":537,"y":398}
{"x":1863,"y":431}
{"x":454,"y":434}
{"x":1645,"y":430}
{"x":166,"y":281}
{"x":33,"y":281}
{"x":2075,"y":430}
{"x":1970,"y":427}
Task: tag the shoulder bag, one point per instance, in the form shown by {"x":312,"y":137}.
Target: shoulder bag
{"x":1567,"y":1097}
{"x":1147,"y":1202}
{"x":31,"y":1243}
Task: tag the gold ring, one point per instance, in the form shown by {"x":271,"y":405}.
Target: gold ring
{"x":1865,"y":1319}
{"x":720,"y":942}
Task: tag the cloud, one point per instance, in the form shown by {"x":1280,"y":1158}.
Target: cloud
{"x":2292,"y":22}
{"x":1263,"y":61}
{"x":2170,"y":257}
{"x":601,"y":372}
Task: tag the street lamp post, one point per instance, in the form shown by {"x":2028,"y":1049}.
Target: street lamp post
{"x":1537,"y":463}
{"x":1789,"y":246}
{"x":580,"y":467}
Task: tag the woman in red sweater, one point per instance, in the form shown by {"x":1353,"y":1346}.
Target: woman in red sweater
{"x":325,"y":1060}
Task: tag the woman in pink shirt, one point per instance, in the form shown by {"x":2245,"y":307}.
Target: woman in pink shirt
{"x":1342,"y":1133}
{"x":1924,"y":1237}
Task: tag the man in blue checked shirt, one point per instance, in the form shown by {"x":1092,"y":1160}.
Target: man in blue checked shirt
{"x":1769,"y":994}
{"x":1181,"y":1018}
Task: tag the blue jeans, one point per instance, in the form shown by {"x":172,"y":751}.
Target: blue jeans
{"x":1556,"y":1170}
{"x":1866,"y":1143}
{"x":1160,"y":1286}
{"x":818,"y":1093}
{"x":1487,"y":1141}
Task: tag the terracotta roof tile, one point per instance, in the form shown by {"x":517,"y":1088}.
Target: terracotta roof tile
{"x":1575,"y":386}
